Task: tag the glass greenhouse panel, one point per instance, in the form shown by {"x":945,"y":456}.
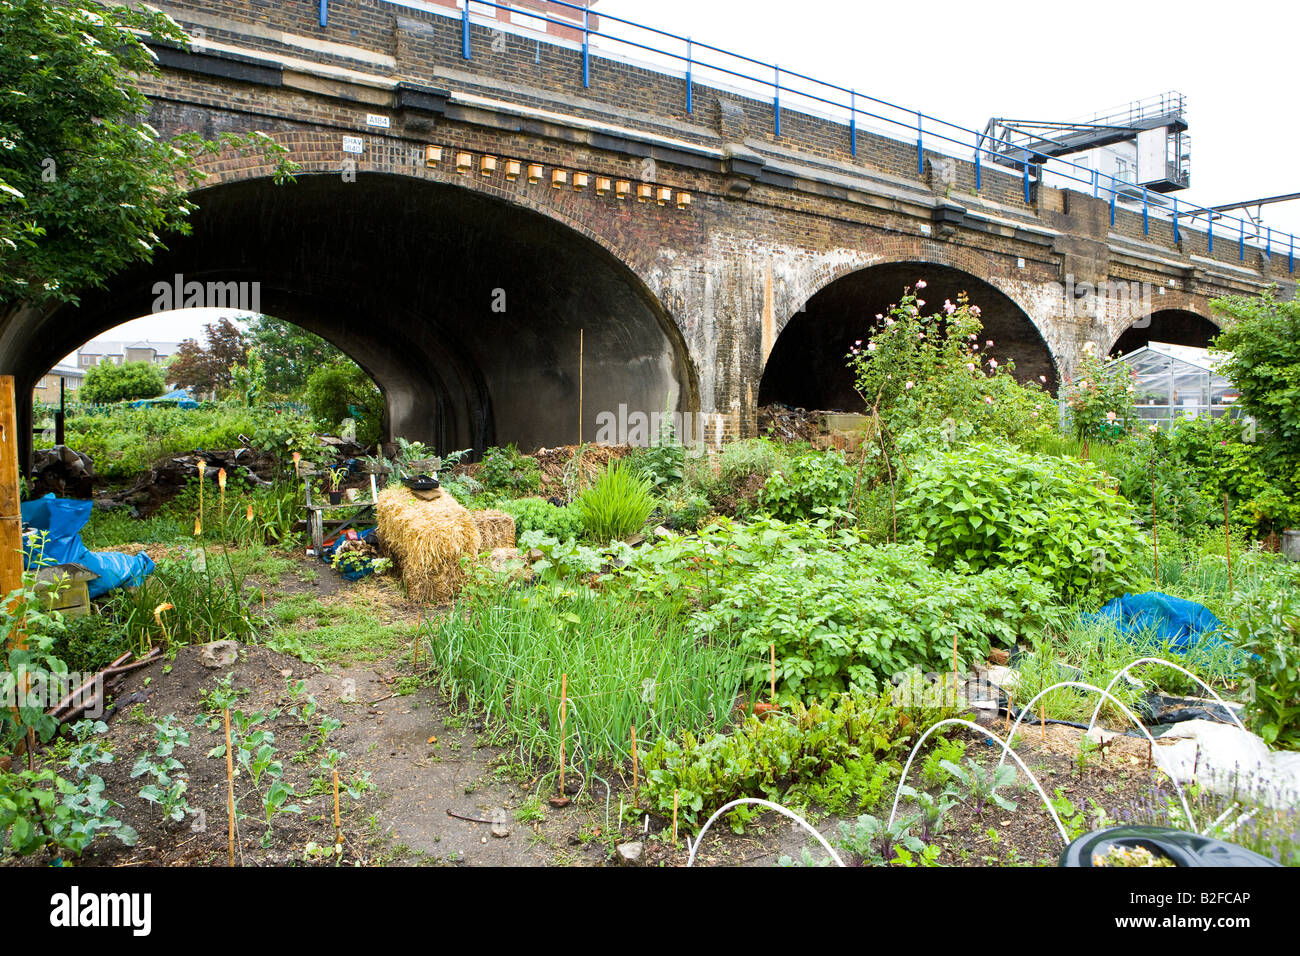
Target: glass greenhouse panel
{"x":1176,"y":382}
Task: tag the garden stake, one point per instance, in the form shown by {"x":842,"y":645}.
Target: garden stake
{"x":230,"y":787}
{"x":956,"y":680}
{"x":1042,"y":722}
{"x":636,"y":798}
{"x":1227,"y":537}
{"x":1155,"y":544}
{"x":773,"y":673}
{"x":676,"y":794}
{"x":338,"y":828}
{"x":564,"y":693}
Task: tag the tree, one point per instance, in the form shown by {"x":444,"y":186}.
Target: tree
{"x":291,"y":354}
{"x":1263,"y":341}
{"x":209,"y":368}
{"x":334,"y":391}
{"x":109,"y":382}
{"x":86,"y":187}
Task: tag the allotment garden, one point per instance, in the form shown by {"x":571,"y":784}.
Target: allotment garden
{"x":664,"y":632}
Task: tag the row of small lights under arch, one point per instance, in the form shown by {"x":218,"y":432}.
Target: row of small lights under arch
{"x":513,"y":169}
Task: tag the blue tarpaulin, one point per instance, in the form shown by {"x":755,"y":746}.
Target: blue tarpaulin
{"x":180,"y":398}
{"x":1180,"y":624}
{"x":62,"y":519}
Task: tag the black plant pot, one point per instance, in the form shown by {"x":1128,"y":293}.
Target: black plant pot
{"x":1183,"y":848}
{"x":336,"y":497}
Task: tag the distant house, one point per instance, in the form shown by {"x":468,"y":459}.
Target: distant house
{"x":102,"y":350}
{"x":47,"y":389}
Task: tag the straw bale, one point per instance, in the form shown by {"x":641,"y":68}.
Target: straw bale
{"x":427,"y":540}
{"x":495,"y":528}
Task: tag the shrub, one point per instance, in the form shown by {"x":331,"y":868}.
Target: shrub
{"x":108,"y":382}
{"x":806,"y":483}
{"x":538,"y":514}
{"x":988,"y":506}
{"x":920,"y":370}
{"x":1268,"y":629}
{"x":505,"y":471}
{"x":342,"y":389}
{"x":617,"y":505}
{"x":1263,"y":339}
{"x":853,"y":620}
{"x":1100,"y":398}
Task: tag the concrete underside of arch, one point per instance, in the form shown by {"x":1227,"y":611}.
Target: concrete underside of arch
{"x":467,"y":311}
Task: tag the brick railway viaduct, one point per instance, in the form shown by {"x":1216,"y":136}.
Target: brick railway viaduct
{"x":458,"y":223}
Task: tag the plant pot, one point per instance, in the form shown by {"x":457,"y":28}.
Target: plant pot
{"x":1179,"y":846}
{"x":336,"y":497}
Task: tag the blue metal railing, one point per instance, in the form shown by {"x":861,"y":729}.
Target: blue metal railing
{"x":931,"y":132}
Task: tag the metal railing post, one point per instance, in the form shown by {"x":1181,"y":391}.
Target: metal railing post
{"x":586,"y":48}
{"x":853,"y":122}
{"x":776,"y":101}
{"x":1241,"y":243}
{"x":920,"y":151}
{"x":690,"y":77}
{"x":977,"y":163}
{"x":465,"y":52}
{"x":1146,"y":214}
{"x":1176,"y":234}
{"x":324,"y":13}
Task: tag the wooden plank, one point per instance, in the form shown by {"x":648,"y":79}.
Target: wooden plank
{"x":11,"y":525}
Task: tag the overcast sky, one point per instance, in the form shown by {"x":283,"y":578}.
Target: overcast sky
{"x":965,"y":62}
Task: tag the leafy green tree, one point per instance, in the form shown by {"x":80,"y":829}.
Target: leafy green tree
{"x":122,"y":383}
{"x":342,"y":390}
{"x":209,"y":368}
{"x":86,"y":187}
{"x":1263,"y":342}
{"x":291,"y":354}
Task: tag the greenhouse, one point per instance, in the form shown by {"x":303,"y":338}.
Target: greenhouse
{"x":1174,"y":382}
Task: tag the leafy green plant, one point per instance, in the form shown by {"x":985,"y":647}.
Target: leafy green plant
{"x":932,"y":808}
{"x":1268,"y":629}
{"x":806,"y":483}
{"x":874,"y":842}
{"x":981,"y":784}
{"x":617,"y":505}
{"x":538,"y":514}
{"x":1100,"y":397}
{"x":987,"y":506}
{"x":170,"y":781}
{"x":505,"y":471}
{"x":853,"y":619}
{"x":41,"y":810}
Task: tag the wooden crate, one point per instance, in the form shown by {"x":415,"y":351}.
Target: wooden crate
{"x":66,"y":588}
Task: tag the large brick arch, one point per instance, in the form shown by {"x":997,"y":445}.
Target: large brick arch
{"x":804,"y":371}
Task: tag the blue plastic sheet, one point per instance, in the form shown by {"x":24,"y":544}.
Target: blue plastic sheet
{"x":1182,"y":625}
{"x":62,"y":519}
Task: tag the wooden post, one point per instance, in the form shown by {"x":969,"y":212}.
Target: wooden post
{"x":338,"y":826}
{"x":564,"y":707}
{"x":1227,"y":538}
{"x":1042,"y":722}
{"x":636,"y":798}
{"x":1155,"y":544}
{"x":11,"y":526}
{"x":773,"y":679}
{"x":230,"y":787}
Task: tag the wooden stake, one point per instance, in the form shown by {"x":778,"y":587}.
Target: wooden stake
{"x":1227,"y":537}
{"x":1155,"y":544}
{"x":636,"y":789}
{"x":564,"y":707}
{"x":1042,"y":722}
{"x":676,"y":795}
{"x":11,"y":527}
{"x":773,"y":681}
{"x":338,"y":826}
{"x":230,"y":787}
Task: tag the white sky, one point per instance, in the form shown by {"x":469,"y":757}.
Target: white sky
{"x":966,"y":62}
